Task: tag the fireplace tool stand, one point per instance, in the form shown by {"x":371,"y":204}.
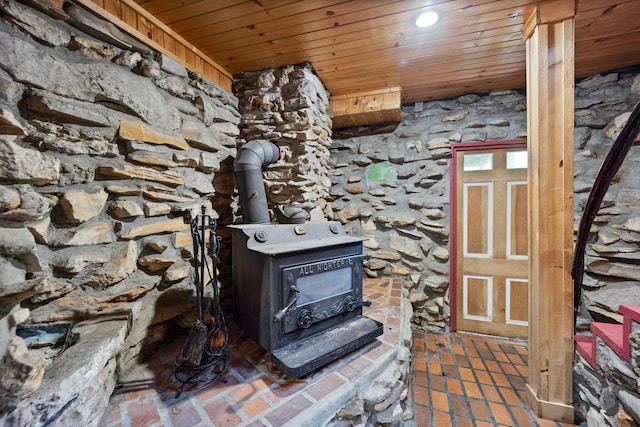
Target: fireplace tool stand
{"x":203,"y":357}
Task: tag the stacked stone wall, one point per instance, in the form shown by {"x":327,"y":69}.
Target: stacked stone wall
{"x":105,"y":147}
{"x":608,"y":394}
{"x":289,"y":106}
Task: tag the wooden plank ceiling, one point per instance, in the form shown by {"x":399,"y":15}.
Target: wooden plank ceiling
{"x":367,"y":46}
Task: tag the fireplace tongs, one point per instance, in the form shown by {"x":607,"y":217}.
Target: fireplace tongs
{"x":294,"y":294}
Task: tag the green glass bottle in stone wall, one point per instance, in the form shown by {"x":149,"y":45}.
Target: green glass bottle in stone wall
{"x":382,"y":172}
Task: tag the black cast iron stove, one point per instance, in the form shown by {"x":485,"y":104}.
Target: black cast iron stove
{"x":298,"y":292}
{"x":297,"y":287}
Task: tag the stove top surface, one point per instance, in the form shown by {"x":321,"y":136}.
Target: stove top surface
{"x":280,"y":239}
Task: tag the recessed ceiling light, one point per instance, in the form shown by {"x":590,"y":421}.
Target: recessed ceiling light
{"x":426,"y":19}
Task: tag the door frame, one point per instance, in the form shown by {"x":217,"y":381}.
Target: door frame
{"x":453,"y":216}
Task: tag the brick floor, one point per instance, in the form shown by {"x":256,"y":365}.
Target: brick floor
{"x":252,"y":392}
{"x":472,"y":381}
{"x":460,"y":380}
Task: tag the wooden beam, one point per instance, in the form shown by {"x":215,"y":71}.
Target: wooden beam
{"x":550,"y":111}
{"x":366,"y":108}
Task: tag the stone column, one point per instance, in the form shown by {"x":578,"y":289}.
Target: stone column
{"x":289,"y":106}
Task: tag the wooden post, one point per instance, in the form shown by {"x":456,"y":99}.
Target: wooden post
{"x":549,"y":34}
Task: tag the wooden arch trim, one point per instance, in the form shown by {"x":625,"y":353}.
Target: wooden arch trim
{"x":603,"y":180}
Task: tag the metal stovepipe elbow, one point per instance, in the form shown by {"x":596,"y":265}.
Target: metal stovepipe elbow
{"x":252,"y":157}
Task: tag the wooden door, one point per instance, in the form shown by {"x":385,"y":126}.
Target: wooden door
{"x":491,"y":263}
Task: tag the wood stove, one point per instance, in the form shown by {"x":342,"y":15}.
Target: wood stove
{"x":297,"y":288}
{"x":297,"y":291}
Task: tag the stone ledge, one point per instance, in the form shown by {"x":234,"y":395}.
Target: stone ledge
{"x":77,"y":384}
{"x":327,"y":407}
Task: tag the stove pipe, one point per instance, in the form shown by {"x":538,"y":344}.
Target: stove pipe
{"x":252,"y":157}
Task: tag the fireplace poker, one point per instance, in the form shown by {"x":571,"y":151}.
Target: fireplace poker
{"x":219,"y":335}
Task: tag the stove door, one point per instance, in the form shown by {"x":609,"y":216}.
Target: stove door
{"x":316,"y":291}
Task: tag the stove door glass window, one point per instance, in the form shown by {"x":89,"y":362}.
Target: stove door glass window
{"x":316,"y":291}
{"x":322,"y":285}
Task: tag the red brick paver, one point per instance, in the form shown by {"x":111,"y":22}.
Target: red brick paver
{"x":484,"y":379}
{"x":251,"y":392}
